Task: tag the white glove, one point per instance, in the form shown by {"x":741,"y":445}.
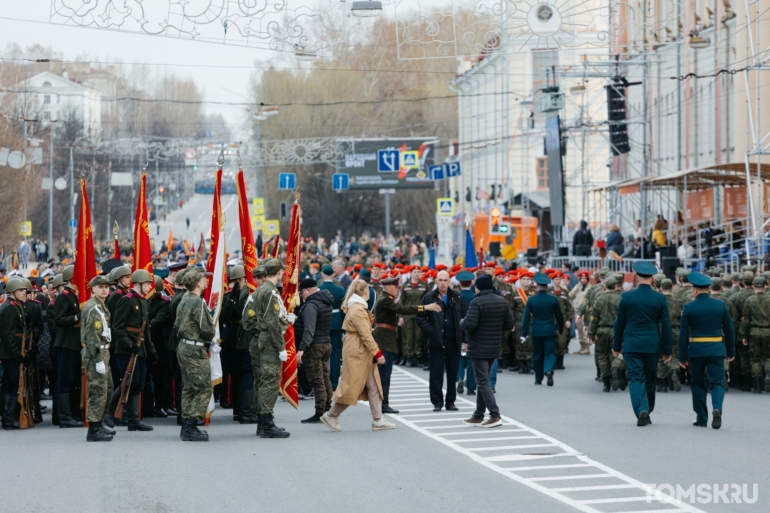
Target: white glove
{"x":291,"y":318}
{"x":523,"y":339}
{"x":101,"y":368}
{"x":215,"y":348}
{"x":283,"y":355}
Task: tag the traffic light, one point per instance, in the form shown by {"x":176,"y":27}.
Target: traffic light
{"x":162,"y":189}
{"x":496,"y":224}
{"x":283,"y":210}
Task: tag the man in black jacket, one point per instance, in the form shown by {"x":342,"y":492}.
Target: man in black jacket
{"x":444,"y":338}
{"x":487,"y":319}
{"x":312,"y":329}
{"x":582,"y":241}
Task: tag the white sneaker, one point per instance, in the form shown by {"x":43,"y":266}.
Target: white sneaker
{"x":330,"y":422}
{"x":379,"y":425}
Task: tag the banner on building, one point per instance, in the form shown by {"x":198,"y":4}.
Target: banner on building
{"x":736,"y":202}
{"x":700,"y":205}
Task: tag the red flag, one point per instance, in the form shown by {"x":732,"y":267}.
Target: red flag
{"x":117,"y":248}
{"x":248,"y":251}
{"x":291,"y":300}
{"x":85,"y":263}
{"x":216,"y":227}
{"x":142,"y":251}
{"x":170,"y":241}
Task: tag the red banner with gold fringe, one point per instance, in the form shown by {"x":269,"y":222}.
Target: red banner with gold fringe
{"x":291,"y":300}
{"x":85,"y":262}
{"x":248,"y":250}
{"x":216,"y":228}
{"x":142,"y":250}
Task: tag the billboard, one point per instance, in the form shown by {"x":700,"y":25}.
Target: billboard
{"x":400,"y":163}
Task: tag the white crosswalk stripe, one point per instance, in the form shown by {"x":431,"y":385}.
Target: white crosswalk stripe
{"x":529,"y":457}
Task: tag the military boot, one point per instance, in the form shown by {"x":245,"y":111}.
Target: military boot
{"x":615,"y":379}
{"x":65,"y":412}
{"x":745,"y":383}
{"x":527,"y":366}
{"x":316,"y":418}
{"x":246,"y":407}
{"x":660,"y":385}
{"x":767,"y":380}
{"x":757,"y":384}
{"x":190,"y":434}
{"x":131,"y":411}
{"x":270,"y":430}
{"x":673,"y":381}
{"x":559,"y":362}
{"x":607,"y":384}
{"x":385,"y":401}
{"x":96,"y":433}
{"x":515,"y":366}
{"x":10,"y":420}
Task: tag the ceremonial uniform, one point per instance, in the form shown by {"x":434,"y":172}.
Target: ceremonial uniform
{"x":411,"y":295}
{"x":33,"y":314}
{"x":68,"y":360}
{"x":668,"y":374}
{"x":544,"y":313}
{"x":642,"y":330}
{"x":229,"y":322}
{"x":523,"y":348}
{"x":755,"y":330}
{"x":247,"y":382}
{"x":706,"y":336}
{"x":112,"y":301}
{"x":338,"y":316}
{"x":95,"y":335}
{"x":600,"y":330}
{"x":13,"y":331}
{"x":159,"y":317}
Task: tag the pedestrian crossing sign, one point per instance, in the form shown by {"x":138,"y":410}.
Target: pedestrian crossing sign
{"x":259,"y":206}
{"x":445,"y":207}
{"x":410,"y":159}
{"x":258,"y":222}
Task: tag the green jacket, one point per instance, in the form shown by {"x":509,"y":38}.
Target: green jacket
{"x":12,"y":329}
{"x":173,"y":340}
{"x":193,"y":320}
{"x":95,"y":314}
{"x":67,"y":317}
{"x":756,"y":316}
{"x":386,"y":311}
{"x":266,"y":311}
{"x":604,"y":312}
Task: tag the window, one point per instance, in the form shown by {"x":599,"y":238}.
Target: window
{"x":58,"y":98}
{"x":542,"y":173}
{"x":46,"y":116}
{"x":47,"y":99}
{"x":542,"y":75}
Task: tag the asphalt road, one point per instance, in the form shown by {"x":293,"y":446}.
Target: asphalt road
{"x":430,"y":463}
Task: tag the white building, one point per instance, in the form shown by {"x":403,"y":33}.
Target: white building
{"x":54,"y":97}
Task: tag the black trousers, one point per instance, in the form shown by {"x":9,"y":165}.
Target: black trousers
{"x":68,"y":363}
{"x":140,"y":371}
{"x":230,"y":372}
{"x":441,"y":361}
{"x":247,"y":371}
{"x":10,"y":377}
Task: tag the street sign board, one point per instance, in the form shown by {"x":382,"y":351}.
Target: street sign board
{"x":73,"y":223}
{"x":378,"y":163}
{"x":287,"y":181}
{"x":410,"y":159}
{"x":388,"y":161}
{"x":272,"y":227}
{"x":452,"y":169}
{"x":25,"y":228}
{"x":258,"y":205}
{"x":258,"y":222}
{"x":340,"y":181}
{"x":436,"y":172}
{"x":445,"y":207}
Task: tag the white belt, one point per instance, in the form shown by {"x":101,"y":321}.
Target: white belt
{"x":336,"y":310}
{"x":192,"y":343}
{"x":104,"y":346}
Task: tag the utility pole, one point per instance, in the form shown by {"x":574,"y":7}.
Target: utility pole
{"x":49,"y":245}
{"x":72,"y":197}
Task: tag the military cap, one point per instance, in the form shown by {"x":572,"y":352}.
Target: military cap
{"x":678,"y":271}
{"x":68,"y":272}
{"x":119,"y":272}
{"x":327,"y":270}
{"x":273,"y":265}
{"x":542,"y":279}
{"x":685,"y":274}
{"x":176,"y":266}
{"x":666,"y":284}
{"x":179,"y":278}
{"x":58,"y":281}
{"x":158,"y":284}
{"x":392,"y":281}
{"x":699,"y":280}
{"x":759,"y":282}
{"x":726,"y":282}
{"x":365,"y":274}
{"x":610,"y":282}
{"x":258,"y":271}
{"x":237,"y":272}
{"x":141,"y":276}
{"x":99,"y":280}
{"x":464,"y":276}
{"x":726,"y":278}
{"x":193,"y":275}
{"x":658,"y":278}
{"x":619,"y":278}
{"x":748,"y":278}
{"x":604,"y":271}
{"x":14,"y":283}
{"x":645,"y":269}
{"x":750,"y":268}
{"x":307,"y":283}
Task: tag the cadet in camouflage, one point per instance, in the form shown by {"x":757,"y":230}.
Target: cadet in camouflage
{"x":668,"y":375}
{"x":600,"y":329}
{"x":755,"y":333}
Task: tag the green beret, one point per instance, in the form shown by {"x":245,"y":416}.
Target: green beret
{"x":99,"y":280}
{"x":666,"y":284}
{"x":273,"y":265}
{"x":759,"y":281}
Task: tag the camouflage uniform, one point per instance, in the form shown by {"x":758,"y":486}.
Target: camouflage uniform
{"x":755,"y":328}
{"x":411,"y":295}
{"x":742,"y":354}
{"x":584,"y":309}
{"x":507,"y":292}
{"x":195,"y":330}
{"x":665,"y":372}
{"x":95,"y":337}
{"x":563,"y":338}
{"x":523,"y":350}
{"x":602,"y":321}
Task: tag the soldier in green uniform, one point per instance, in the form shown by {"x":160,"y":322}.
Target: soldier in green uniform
{"x":121,"y":277}
{"x":411,"y":295}
{"x":705,"y":339}
{"x":507,"y":348}
{"x":522,"y":340}
{"x":755,"y":333}
{"x":585,"y":308}
{"x":195,"y":329}
{"x":95,"y":335}
{"x":730,"y":285}
{"x":67,"y":345}
{"x":159,"y":317}
{"x":562,"y":340}
{"x":229,"y":322}
{"x":603,"y":315}
{"x":668,"y":374}
{"x":338,"y":316}
{"x":376,"y":272}
{"x":247,"y":392}
{"x":743,"y":355}
{"x":129,"y":320}
{"x":13,"y":330}
{"x":173,"y":343}
{"x":272,"y":321}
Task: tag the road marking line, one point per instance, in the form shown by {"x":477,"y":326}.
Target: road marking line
{"x":528,"y":446}
{"x":534,"y":483}
{"x":588,"y":488}
{"x":654,"y":511}
{"x":540,"y":467}
{"x":496,"y":431}
{"x":450,"y":427}
{"x":612,"y":501}
{"x":501,"y":447}
{"x":438,"y":420}
{"x":434,"y":414}
{"x":468,"y":440}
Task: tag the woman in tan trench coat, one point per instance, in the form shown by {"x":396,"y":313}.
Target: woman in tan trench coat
{"x":360,"y":355}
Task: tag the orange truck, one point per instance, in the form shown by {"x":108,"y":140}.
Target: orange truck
{"x":522,"y":229}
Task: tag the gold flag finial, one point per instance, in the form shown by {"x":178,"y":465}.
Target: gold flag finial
{"x":296,"y":196}
{"x":221,"y":159}
{"x":116,"y":230}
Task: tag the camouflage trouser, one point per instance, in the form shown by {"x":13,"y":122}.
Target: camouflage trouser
{"x":99,"y":386}
{"x":759,"y":346}
{"x":269,"y":376}
{"x":582,"y":338}
{"x":562,"y":341}
{"x":196,"y":380}
{"x":742,"y":362}
{"x":603,"y":350}
{"x":673,"y":365}
{"x":523,"y":350}
{"x":254,"y":352}
{"x":316,"y":363}
{"x":412,"y":337}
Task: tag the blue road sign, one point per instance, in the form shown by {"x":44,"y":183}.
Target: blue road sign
{"x":436,"y":172}
{"x":287,"y":181}
{"x":388,"y":161}
{"x":452,"y":169}
{"x":73,"y":223}
{"x":340,"y":181}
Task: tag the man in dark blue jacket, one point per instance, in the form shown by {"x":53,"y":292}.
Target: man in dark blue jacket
{"x":338,"y":293}
{"x":642,"y":331}
{"x":706,"y":337}
{"x":544,"y":313}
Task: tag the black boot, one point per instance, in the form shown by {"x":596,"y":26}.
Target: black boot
{"x":10,"y":420}
{"x":65,"y":413}
{"x":190,"y":434}
{"x":745,"y":383}
{"x":767,"y":380}
{"x":673,"y":381}
{"x":96,"y":433}
{"x":515,"y":366}
{"x":131,"y":411}
{"x":246,"y":407}
{"x":598,"y":374}
{"x":559,"y":362}
{"x":408,"y":362}
{"x":385,"y":402}
{"x":757,"y":385}
{"x":615,"y":379}
{"x":527,"y":366}
{"x":606,"y":384}
{"x":623,"y":380}
{"x":316,"y":417}
{"x":106,"y":430}
{"x":270,"y":430}
{"x":660,"y":385}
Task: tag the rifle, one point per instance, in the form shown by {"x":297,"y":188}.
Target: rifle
{"x":125,"y":385}
{"x":25,"y":393}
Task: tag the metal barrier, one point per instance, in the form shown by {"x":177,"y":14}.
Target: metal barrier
{"x":626,"y":265}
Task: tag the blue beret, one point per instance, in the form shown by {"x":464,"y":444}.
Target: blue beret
{"x":645,"y":269}
{"x":699,"y":280}
{"x":327,"y":270}
{"x":364,"y":273}
{"x":464,"y":276}
{"x":542,"y":279}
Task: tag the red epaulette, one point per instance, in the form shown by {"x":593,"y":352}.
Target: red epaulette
{"x":65,"y":292}
{"x":118,"y":291}
{"x":130,"y":294}
{"x":13,"y":302}
{"x":165,"y":298}
{"x":34,"y":301}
